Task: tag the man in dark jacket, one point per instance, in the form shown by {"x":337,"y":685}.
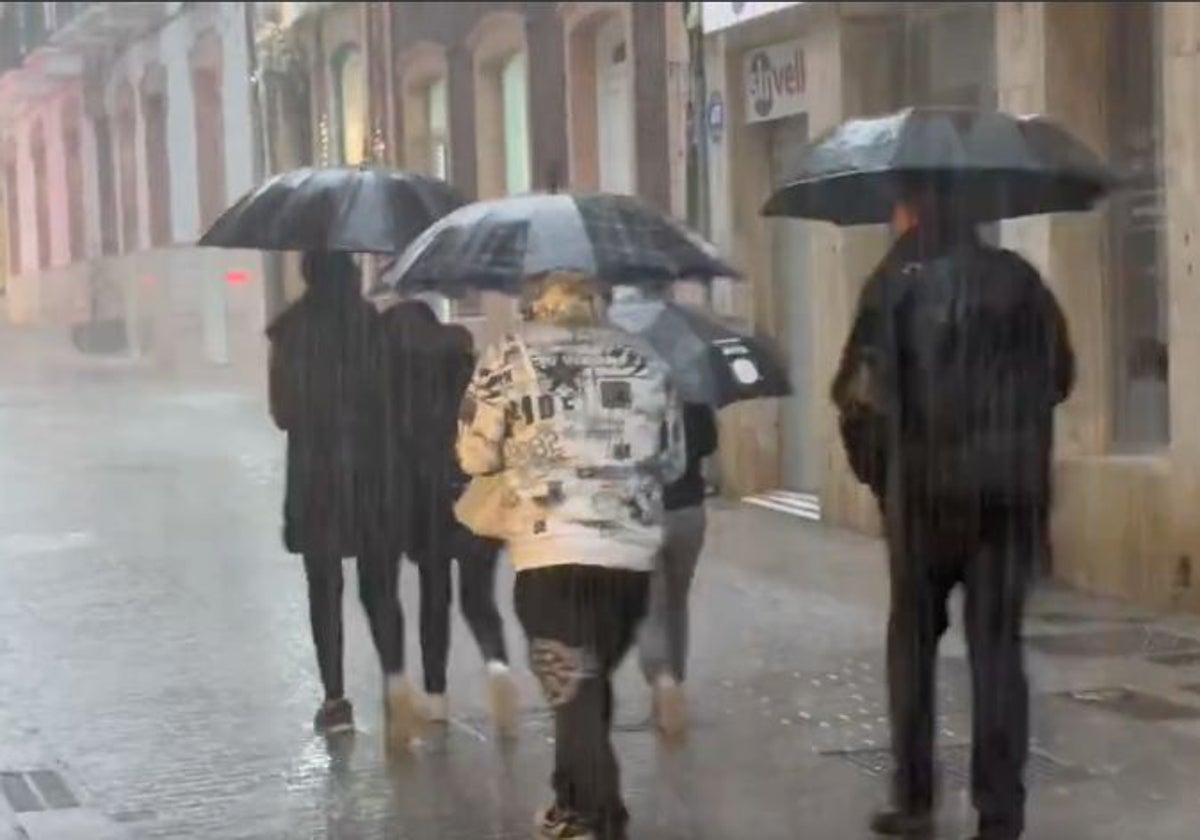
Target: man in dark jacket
{"x":325,"y":371}
{"x":946,"y":391}
{"x":663,"y":637}
{"x":431,"y":366}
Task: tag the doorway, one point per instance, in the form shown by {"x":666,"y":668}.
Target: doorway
{"x":791,"y":277}
{"x":614,"y":107}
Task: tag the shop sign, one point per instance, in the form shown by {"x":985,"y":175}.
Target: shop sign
{"x":776,"y":84}
{"x":718,"y":16}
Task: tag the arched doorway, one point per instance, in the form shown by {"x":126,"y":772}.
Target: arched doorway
{"x":76,"y":238}
{"x":127,"y":167}
{"x":349,"y":104}
{"x":207,"y":78}
{"x":158,"y":173}
{"x":614,"y":100}
{"x":41,"y":195}
{"x":600,"y":113}
{"x":12,"y":209}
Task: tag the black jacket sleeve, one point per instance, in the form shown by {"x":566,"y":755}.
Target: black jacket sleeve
{"x":700,"y":431}
{"x":1061,"y":352}
{"x":861,"y":419}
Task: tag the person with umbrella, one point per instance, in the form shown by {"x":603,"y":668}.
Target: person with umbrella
{"x":580,"y":422}
{"x":956,"y":360}
{"x":570,"y":429}
{"x":431,"y":364}
{"x":712,"y":366}
{"x":326,"y":363}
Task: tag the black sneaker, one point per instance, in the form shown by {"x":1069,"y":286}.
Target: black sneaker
{"x":916,"y":826}
{"x":555,"y":823}
{"x":333,"y":717}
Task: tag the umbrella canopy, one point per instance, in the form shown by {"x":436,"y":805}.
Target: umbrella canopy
{"x":710,"y":363}
{"x":494,"y":245}
{"x":986,"y":165}
{"x":337,"y":209}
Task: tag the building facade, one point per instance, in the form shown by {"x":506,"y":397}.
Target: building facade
{"x":504,"y":98}
{"x":126,"y":130}
{"x":1123,"y":76}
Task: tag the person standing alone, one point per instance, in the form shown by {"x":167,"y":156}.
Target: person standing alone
{"x":955,"y":363}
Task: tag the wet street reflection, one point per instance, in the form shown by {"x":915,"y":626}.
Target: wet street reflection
{"x":599,"y":421}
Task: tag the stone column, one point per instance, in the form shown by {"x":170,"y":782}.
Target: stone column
{"x":1041,"y":50}
{"x":1181,"y":160}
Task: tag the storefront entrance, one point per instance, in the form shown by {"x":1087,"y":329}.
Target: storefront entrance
{"x":794,"y":317}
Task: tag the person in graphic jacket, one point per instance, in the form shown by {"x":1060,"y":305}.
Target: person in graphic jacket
{"x":581,"y":423}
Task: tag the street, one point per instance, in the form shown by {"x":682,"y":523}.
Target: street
{"x":155,"y":655}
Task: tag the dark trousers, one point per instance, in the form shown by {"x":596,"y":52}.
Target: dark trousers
{"x":377,"y":589}
{"x":477,"y":597}
{"x":581,"y":621}
{"x":991,"y":550}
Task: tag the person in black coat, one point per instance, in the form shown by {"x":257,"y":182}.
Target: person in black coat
{"x":432,"y":364}
{"x":946,"y":390}
{"x":326,"y":364}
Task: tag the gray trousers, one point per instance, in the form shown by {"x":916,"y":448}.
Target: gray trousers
{"x":663,"y":637}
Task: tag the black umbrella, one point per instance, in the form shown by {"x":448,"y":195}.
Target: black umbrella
{"x":338,"y":209}
{"x":710,"y":363}
{"x":494,"y":245}
{"x":985,"y":164}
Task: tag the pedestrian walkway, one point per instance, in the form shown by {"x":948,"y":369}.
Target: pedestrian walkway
{"x":156,"y":666}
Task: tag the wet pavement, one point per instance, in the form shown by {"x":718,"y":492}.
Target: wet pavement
{"x":158,"y":680}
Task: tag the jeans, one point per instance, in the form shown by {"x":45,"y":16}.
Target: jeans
{"x":663,"y":639}
{"x":377,"y":589}
{"x":581,"y":621}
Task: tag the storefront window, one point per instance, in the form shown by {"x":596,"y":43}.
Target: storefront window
{"x":349,"y":104}
{"x":514,"y":86}
{"x":439,"y":134}
{"x":1140,"y":316}
{"x":950,"y":55}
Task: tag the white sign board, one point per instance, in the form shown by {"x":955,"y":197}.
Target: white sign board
{"x":775,"y":81}
{"x":718,"y":16}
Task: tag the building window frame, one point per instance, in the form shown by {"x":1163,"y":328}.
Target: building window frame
{"x":1140,"y":400}
{"x":348,"y":141}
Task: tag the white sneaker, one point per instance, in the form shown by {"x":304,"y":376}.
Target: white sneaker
{"x":437,"y":708}
{"x":670,"y":707}
{"x":504,"y":703}
{"x":403,"y":715}
{"x":553,"y":824}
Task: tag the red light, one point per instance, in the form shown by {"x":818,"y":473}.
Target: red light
{"x":149,"y":282}
{"x":237,"y":277}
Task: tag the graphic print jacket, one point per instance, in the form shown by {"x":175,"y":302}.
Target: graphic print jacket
{"x":585,"y":428}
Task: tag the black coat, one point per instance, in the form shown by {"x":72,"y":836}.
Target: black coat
{"x":1009,"y":366}
{"x":325,"y":391}
{"x":429,"y":365}
{"x":700,"y":437}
